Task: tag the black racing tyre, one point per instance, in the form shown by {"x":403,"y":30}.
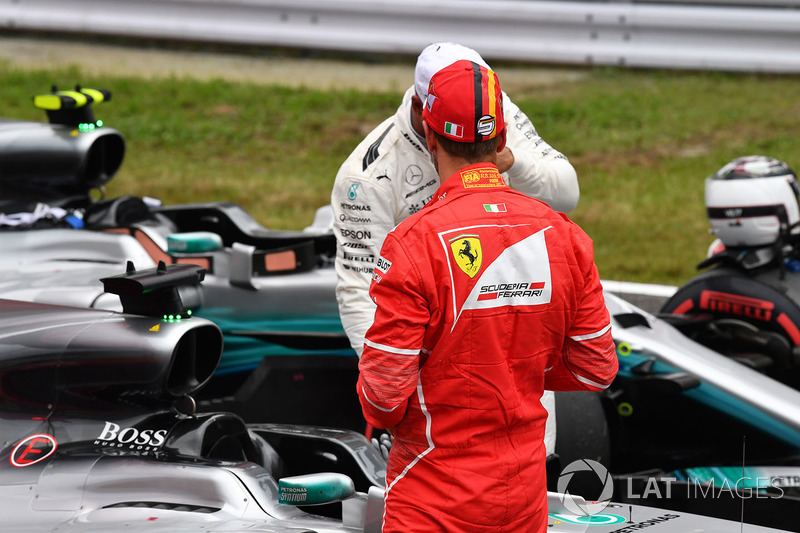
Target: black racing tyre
{"x":581,"y":428}
{"x":750,"y":318}
{"x":726,"y":294}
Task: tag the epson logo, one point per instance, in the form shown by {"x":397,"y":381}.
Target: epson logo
{"x":356,"y":234}
{"x":113,"y":433}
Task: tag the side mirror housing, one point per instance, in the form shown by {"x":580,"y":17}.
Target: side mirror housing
{"x":315,"y":489}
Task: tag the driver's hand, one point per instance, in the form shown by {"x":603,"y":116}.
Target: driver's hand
{"x":505,"y":160}
{"x":383,"y":444}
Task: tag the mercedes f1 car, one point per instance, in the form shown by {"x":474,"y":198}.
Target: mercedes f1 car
{"x":100,"y":433}
{"x":676,"y":404}
{"x":269,"y":291}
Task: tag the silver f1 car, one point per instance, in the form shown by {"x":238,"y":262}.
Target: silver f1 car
{"x":270,"y":292}
{"x":676,"y":404}
{"x":100,"y":433}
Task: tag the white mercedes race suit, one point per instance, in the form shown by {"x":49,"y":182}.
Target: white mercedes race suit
{"x":390,"y":176}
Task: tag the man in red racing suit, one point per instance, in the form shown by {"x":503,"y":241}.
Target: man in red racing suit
{"x":485,"y":298}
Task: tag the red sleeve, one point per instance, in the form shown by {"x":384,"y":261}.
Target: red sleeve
{"x":389,"y":365}
{"x":588,"y":359}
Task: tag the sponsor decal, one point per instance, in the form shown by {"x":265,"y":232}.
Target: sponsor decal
{"x":362,"y":258}
{"x":486,"y":125}
{"x":33,"y":449}
{"x":733,"y":304}
{"x":356,"y":234}
{"x":413,"y":142}
{"x":293,"y":494}
{"x":131,"y":438}
{"x":481,"y":177}
{"x":511,"y":290}
{"x":376,"y":277}
{"x":352,"y":194}
{"x":383,"y":177}
{"x":637,"y":526}
{"x":355,"y":220}
{"x":383,"y":264}
{"x":360,"y":270}
{"x":495,"y":208}
{"x":467,"y":253}
{"x":785,"y":481}
{"x":456,"y":130}
{"x":594,"y":520}
{"x":432,"y":96}
{"x":413,"y":175}
{"x":355,"y":207}
{"x":421,"y":188}
{"x":359,"y":245}
{"x":522,"y":263}
{"x":413,"y":208}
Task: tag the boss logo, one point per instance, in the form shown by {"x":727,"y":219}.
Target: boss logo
{"x":114,"y":435}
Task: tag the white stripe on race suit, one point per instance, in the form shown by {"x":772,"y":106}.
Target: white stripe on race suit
{"x":373,"y":404}
{"x":391,"y":349}
{"x":589,"y":336}
{"x":431,"y":446}
{"x":590,"y":382}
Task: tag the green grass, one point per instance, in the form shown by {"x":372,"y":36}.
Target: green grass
{"x":642,"y":143}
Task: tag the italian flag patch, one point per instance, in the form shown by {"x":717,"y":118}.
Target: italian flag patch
{"x":453,"y":129}
{"x":495,"y":208}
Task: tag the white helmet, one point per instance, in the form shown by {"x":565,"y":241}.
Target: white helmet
{"x":752,"y":201}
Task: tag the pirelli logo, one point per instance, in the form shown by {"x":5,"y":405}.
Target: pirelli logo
{"x":735,"y":304}
{"x":511,"y":290}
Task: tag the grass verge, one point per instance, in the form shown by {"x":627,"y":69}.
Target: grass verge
{"x":642,"y":143}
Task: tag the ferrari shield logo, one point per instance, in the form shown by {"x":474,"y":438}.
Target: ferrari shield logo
{"x":467,"y":253}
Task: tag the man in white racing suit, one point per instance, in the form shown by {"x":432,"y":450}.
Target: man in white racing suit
{"x":390,"y":176}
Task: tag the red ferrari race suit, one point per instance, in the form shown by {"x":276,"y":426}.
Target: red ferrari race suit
{"x":390,"y":176}
{"x":484,"y":299}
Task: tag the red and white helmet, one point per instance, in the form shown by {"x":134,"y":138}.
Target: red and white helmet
{"x":752,"y":201}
